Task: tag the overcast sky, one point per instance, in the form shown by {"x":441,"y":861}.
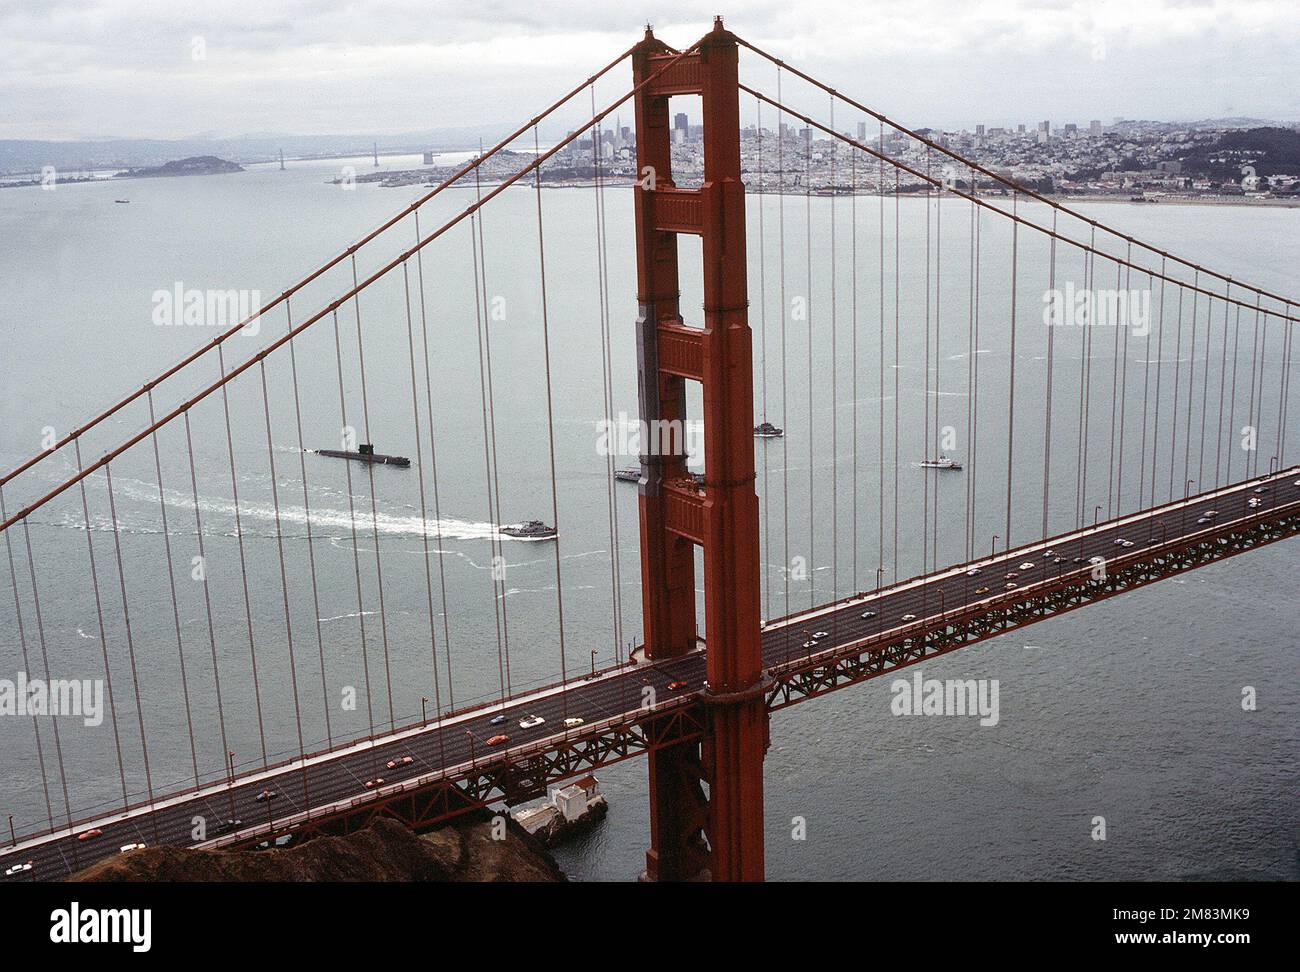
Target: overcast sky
{"x":168,"y":68}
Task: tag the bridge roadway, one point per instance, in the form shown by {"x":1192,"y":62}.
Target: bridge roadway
{"x":340,"y":775}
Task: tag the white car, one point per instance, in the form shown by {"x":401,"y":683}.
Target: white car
{"x":530,"y":721}
{"x":1253,"y":502}
{"x":18,"y":869}
{"x":909,"y":617}
{"x":819,"y":635}
{"x":972,"y":572}
{"x":1049,"y":553}
{"x":868,"y":614}
{"x":1027,"y":565}
{"x":1118,"y":541}
{"x":126,"y":848}
{"x":1126,"y":543}
{"x":574,"y":721}
{"x":1096,"y":560}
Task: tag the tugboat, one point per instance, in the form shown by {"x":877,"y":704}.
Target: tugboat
{"x":366,"y":453}
{"x":943,"y":462}
{"x":630,"y":475}
{"x":766,"y":430}
{"x":532,"y":530}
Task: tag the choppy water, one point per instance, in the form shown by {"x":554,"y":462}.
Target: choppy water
{"x":1129,"y":710}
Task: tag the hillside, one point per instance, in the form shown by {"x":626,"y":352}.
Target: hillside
{"x":385,"y":851}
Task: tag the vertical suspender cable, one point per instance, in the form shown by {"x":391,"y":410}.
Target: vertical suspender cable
{"x":22,"y":641}
{"x":243,"y":560}
{"x":550,"y":413}
{"x":437,"y":500}
{"x":99,"y":613}
{"x":311,"y":545}
{"x":284,"y":578}
{"x":171,"y":582}
{"x":352,"y":520}
{"x":374,"y":509}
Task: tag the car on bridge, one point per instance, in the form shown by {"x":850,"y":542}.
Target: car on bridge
{"x":18,"y":869}
{"x":680,"y":683}
{"x":377,"y":781}
{"x":909,"y":617}
{"x":498,"y":739}
{"x":127,"y":848}
{"x":497,"y":720}
{"x":529,"y":721}
{"x":400,"y":761}
{"x":819,"y":635}
{"x":573,"y":721}
{"x":981,"y":590}
{"x":810,"y":643}
{"x":1027,"y":565}
{"x":266,"y":796}
{"x":90,"y":834}
{"x":868,"y":614}
{"x":228,"y":826}
{"x":972,"y":572}
{"x":1011,"y":573}
{"x":1011,"y":585}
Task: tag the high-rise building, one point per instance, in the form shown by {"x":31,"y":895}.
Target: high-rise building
{"x":862,"y":131}
{"x":680,"y":123}
{"x":1094,"y":127}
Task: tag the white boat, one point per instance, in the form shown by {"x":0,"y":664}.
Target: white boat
{"x":943,"y":462}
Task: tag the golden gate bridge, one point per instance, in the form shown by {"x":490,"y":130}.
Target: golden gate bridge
{"x":694,"y":699}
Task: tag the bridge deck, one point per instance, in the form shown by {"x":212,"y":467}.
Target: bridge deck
{"x":334,"y":782}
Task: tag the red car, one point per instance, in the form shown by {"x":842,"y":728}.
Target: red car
{"x":401,"y":761}
{"x":678,"y":684}
{"x":498,"y":739}
{"x":90,"y":834}
{"x":377,"y":781}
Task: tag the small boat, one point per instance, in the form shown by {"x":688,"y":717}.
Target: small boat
{"x":943,"y":462}
{"x":766,"y":430}
{"x":531,"y":530}
{"x":366,"y":453}
{"x":121,"y":201}
{"x":629,"y":475}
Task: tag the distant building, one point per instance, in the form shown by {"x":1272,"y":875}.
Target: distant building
{"x":1094,"y":127}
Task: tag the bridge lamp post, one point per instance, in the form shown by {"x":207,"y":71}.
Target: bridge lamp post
{"x":880,"y":615}
{"x":593,"y":663}
{"x":230,"y":764}
{"x":1096,"y":514}
{"x":1186,"y":492}
{"x":993,"y":547}
{"x":470,"y":736}
{"x":424,"y":715}
{"x":13,"y":838}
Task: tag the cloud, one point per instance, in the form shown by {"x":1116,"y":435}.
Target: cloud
{"x":93,"y":68}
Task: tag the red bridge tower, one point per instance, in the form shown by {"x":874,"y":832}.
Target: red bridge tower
{"x":706,"y":802}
